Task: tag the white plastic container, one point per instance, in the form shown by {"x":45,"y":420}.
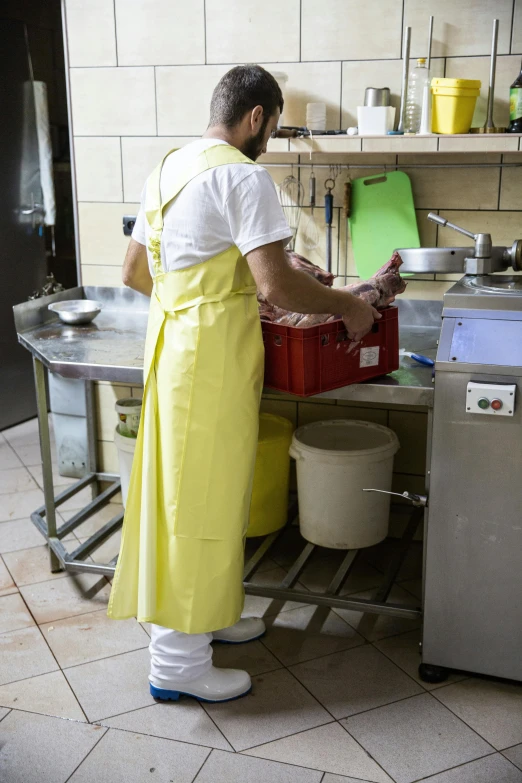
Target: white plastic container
{"x":375,"y":120}
{"x":129,"y":412}
{"x":336,"y":460}
{"x":126,"y":448}
{"x":316,"y":116}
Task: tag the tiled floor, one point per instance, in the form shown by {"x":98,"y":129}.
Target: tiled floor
{"x":336,"y":695}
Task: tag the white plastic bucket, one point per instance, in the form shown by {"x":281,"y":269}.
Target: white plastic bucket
{"x":336,"y":460}
{"x":129,"y":412}
{"x":126,"y":447}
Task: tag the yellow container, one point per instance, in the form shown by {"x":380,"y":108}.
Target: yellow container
{"x":269,"y":508}
{"x":453,"y":104}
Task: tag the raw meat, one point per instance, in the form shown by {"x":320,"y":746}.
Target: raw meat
{"x":303,"y":264}
{"x":380,"y":291}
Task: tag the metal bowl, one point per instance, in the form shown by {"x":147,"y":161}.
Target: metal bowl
{"x":76,"y":311}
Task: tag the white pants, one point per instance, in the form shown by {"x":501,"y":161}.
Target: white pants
{"x":177,"y":656}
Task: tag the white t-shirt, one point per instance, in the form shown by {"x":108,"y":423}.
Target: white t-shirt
{"x":234,"y":204}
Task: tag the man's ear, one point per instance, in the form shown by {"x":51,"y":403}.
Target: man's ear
{"x":256,"y":118}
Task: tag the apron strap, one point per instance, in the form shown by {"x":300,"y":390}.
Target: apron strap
{"x":218,"y":155}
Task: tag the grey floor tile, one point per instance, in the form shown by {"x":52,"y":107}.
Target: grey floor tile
{"x":77,"y":501}
{"x":7,"y":584}
{"x":108,"y":550}
{"x":256,"y":606}
{"x":514,"y":755}
{"x":329,"y":778}
{"x":29,"y":566}
{"x":13,"y":613}
{"x":94,"y":522}
{"x":413,"y":586}
{"x":493,"y":708}
{"x":18,"y":534}
{"x":278,"y":706}
{"x":253,"y":657}
{"x":323,"y":566}
{"x":40,"y":749}
{"x":112,"y":686}
{"x":380,"y":626}
{"x":88,"y":637}
{"x":355,"y":681}
{"x":3,"y":712}
{"x":329,"y":748}
{"x":29,"y":453}
{"x":379,"y":556}
{"x":302,"y":634}
{"x":185,"y":721}
{"x":404,"y":651}
{"x":491,"y":769}
{"x":47,"y":694}
{"x":223,"y":767}
{"x":36,"y":472}
{"x":24,"y":654}
{"x":61,"y":598}
{"x":8,"y":457}
{"x":16,"y":480}
{"x":122,"y":757}
{"x":26,"y":432}
{"x":415,"y":738}
{"x":288,"y":546}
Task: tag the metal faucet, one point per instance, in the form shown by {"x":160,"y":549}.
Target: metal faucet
{"x":485,"y":260}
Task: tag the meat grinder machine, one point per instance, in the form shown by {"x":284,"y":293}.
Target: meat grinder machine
{"x":473,"y":546}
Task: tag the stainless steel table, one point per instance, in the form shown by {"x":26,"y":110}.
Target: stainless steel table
{"x":111,"y":349}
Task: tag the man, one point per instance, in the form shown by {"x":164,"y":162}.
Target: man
{"x":210,"y":229}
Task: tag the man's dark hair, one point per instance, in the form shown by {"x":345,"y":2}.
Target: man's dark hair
{"x":239,"y":91}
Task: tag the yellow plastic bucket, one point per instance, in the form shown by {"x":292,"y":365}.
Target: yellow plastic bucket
{"x":453,"y":104}
{"x":269,"y":508}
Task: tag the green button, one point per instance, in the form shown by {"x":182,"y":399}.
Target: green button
{"x":483,"y":403}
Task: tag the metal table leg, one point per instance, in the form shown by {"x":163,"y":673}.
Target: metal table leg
{"x":47,"y":462}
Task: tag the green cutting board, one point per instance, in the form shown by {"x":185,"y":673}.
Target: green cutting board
{"x":382,"y":219}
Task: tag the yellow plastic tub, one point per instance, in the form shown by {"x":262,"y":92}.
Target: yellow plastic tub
{"x":453,"y":104}
{"x":269,"y":508}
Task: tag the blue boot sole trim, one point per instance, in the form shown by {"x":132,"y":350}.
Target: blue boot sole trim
{"x":164,"y":695}
{"x":243,"y":641}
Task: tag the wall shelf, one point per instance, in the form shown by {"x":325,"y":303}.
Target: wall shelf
{"x":349,"y":145}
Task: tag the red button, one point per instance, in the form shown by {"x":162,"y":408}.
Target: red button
{"x":496,"y":404}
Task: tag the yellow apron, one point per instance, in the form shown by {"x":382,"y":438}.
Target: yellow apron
{"x":182,"y":550}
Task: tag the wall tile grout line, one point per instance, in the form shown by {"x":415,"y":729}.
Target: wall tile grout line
{"x":115,"y":30}
{"x":282,"y":63}
{"x":512,"y":36}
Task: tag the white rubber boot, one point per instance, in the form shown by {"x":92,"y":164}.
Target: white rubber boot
{"x":215,"y":685}
{"x":246,"y":630}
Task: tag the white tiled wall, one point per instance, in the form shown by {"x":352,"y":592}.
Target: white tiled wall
{"x":143,"y":71}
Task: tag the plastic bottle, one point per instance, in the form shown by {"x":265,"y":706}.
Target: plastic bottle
{"x":515,"y":105}
{"x":413,"y":110}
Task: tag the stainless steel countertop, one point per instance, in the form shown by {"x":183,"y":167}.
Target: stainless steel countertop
{"x":111,"y":347}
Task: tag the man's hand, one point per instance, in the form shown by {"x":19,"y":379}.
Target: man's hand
{"x":360,"y":319}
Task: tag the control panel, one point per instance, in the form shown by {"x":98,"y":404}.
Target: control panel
{"x":493,"y":399}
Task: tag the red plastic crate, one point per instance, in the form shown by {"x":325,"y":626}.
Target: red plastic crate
{"x":316,"y":359}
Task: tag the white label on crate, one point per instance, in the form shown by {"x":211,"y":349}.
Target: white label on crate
{"x":369,"y":357}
